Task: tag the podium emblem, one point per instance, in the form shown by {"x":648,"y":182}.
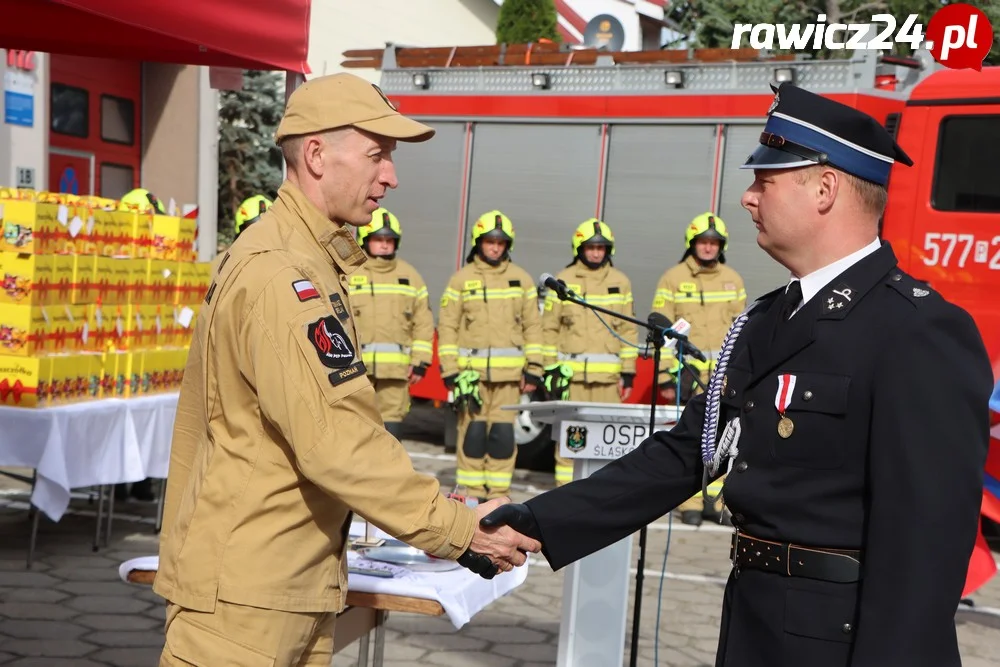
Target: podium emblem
{"x":576,"y":438}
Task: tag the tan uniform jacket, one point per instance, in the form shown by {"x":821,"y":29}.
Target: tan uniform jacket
{"x":710,"y":299}
{"x":573,"y":334}
{"x":277,"y":438}
{"x":394,"y":319}
{"x":489,"y":323}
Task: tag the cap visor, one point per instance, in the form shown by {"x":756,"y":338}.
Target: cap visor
{"x":766,"y":157}
{"x":398,"y":127}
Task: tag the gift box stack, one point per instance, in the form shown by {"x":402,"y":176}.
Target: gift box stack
{"x":96,"y":302}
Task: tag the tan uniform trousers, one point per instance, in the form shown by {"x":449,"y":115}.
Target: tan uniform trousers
{"x":488,"y":476}
{"x":392,"y":398}
{"x":239,"y":636}
{"x":589,"y":392}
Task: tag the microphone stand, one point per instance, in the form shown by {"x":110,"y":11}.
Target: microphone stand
{"x":656,"y":336}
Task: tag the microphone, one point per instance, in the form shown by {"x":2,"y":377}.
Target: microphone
{"x":557,"y":286}
{"x":675,"y":331}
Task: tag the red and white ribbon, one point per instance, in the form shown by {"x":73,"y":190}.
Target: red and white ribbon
{"x":786,"y":385}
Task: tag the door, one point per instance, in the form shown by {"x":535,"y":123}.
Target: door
{"x":71,"y":171}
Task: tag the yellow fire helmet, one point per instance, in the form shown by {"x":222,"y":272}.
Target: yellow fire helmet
{"x":250,"y":210}
{"x":593,"y":231}
{"x":141,"y":200}
{"x":383,"y":223}
{"x":494,"y":225}
{"x":707,"y":226}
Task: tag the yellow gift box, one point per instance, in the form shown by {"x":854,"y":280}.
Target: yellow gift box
{"x":23,"y":380}
{"x":189,"y":276}
{"x":61,"y":290}
{"x":23,"y":330}
{"x":94,"y":365}
{"x":84,"y":287}
{"x":141,"y":235}
{"x":99,"y":328}
{"x":127,"y":373}
{"x":173,"y":237}
{"x":184,"y":318}
{"x":161,"y":280}
{"x":28,"y":226}
{"x":117,"y":272}
{"x":27,"y":279}
{"x":67,"y":377}
{"x":138,"y":284}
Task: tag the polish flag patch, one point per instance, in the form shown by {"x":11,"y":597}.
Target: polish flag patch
{"x":305,"y":290}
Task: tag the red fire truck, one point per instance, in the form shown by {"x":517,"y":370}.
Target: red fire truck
{"x":648,"y":140}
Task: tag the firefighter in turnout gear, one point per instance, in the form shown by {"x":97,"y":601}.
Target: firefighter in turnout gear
{"x":709,"y":295}
{"x":490,"y":347}
{"x":394,"y":320}
{"x":579,"y":348}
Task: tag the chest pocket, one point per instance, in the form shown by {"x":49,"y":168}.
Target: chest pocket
{"x":818,"y":408}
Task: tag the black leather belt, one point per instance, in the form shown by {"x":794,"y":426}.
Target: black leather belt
{"x":836,"y":565}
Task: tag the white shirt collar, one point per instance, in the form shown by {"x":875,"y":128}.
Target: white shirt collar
{"x":817,"y":280}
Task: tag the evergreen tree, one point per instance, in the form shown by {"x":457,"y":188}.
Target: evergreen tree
{"x":249,"y":161}
{"x":523,"y":21}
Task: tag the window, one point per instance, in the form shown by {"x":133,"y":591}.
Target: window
{"x":70,"y":110}
{"x":117,"y":119}
{"x":116,"y":180}
{"x":967,"y":172}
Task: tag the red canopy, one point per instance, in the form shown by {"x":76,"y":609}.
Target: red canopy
{"x":249,"y":34}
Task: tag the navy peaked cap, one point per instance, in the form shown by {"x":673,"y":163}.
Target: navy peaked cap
{"x":804,"y":129}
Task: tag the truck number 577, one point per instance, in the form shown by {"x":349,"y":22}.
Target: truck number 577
{"x":949,"y":249}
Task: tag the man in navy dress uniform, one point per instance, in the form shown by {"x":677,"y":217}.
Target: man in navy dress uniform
{"x":855,"y":472}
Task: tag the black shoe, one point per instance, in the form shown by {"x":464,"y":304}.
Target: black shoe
{"x":691,"y":517}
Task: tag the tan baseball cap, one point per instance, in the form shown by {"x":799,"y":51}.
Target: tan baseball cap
{"x":337,"y":100}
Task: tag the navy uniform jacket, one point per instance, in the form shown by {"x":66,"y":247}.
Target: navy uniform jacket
{"x":891,"y":418}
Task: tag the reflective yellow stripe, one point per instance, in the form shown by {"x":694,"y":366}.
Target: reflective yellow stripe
{"x":421,"y":293}
{"x":447,"y":350}
{"x":564,"y":473}
{"x":710,"y":297}
{"x":550,"y":350}
{"x":483,"y":363}
{"x":594,"y":366}
{"x":421,"y":346}
{"x":628,"y":353}
{"x":498,"y":480}
{"x":470,"y":477}
{"x":385,"y":288}
{"x":606,"y":299}
{"x":664,"y":294}
{"x":533,"y":348}
{"x":385,"y":358}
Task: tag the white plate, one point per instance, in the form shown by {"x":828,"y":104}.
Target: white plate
{"x":410,"y":557}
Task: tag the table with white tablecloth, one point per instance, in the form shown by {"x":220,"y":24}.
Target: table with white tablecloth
{"x":90,"y":443}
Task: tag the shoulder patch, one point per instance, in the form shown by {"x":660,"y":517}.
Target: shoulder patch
{"x":404,"y":281}
{"x":355,"y":369}
{"x":339,"y":308}
{"x":614,"y":290}
{"x":912,"y":289}
{"x":514,"y":283}
{"x":332,"y":344}
{"x":305,"y":290}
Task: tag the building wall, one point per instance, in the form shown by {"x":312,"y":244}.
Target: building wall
{"x":27,"y":147}
{"x":336,"y":27}
{"x":170,"y":131}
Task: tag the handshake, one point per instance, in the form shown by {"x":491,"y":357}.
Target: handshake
{"x":505,"y":534}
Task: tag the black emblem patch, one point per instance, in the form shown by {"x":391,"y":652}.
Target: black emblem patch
{"x":404,"y":281}
{"x":355,"y":369}
{"x":614,"y":290}
{"x":331,"y":342}
{"x":211,"y":291}
{"x":339,"y":308}
{"x":838,"y":298}
{"x":515,"y":283}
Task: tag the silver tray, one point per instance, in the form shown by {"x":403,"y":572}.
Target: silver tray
{"x":410,"y":557}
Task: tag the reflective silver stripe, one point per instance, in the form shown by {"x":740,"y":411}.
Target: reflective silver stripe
{"x":592,"y":358}
{"x":384,"y":347}
{"x":490,"y":352}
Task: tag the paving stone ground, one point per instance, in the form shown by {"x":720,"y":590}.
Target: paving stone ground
{"x":71,"y":609}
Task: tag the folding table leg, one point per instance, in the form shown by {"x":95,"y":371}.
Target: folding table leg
{"x":363,"y":649}
{"x":34,"y":534}
{"x":159,"y":505}
{"x":111,"y":514}
{"x":380,"y":618}
{"x":100,"y":515}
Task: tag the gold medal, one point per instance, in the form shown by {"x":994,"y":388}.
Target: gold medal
{"x":785,"y":427}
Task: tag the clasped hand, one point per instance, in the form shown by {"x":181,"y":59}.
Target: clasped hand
{"x":496,"y":547}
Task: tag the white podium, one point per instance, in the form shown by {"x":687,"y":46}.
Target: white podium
{"x":595,"y":603}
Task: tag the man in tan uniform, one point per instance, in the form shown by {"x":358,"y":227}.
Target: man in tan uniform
{"x":709,"y":295}
{"x":277,"y":439}
{"x":599,"y":367}
{"x":394,"y":320}
{"x":490,"y":349}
